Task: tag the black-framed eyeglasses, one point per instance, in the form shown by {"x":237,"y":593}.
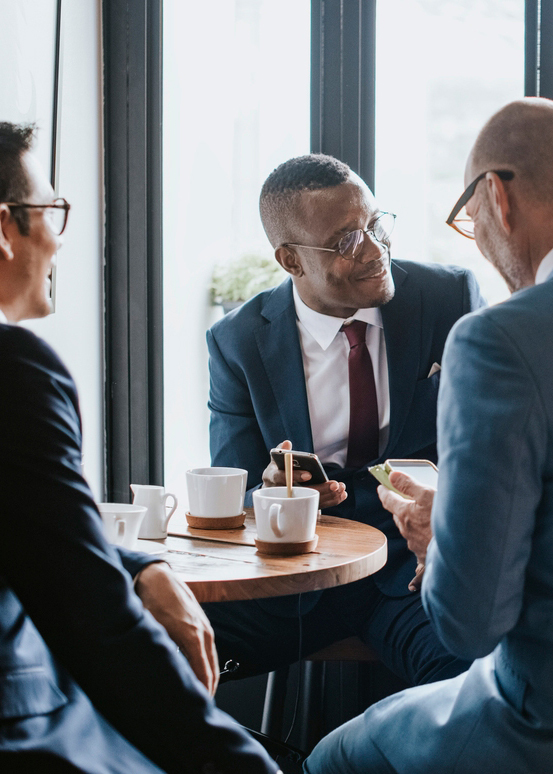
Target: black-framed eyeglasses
{"x":57,"y":212}
{"x":350,"y":244}
{"x":460,"y":221}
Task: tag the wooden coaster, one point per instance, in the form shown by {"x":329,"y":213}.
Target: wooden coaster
{"x":224,"y":522}
{"x":286,"y":549}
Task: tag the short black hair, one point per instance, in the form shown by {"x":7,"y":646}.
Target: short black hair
{"x":287,"y":181}
{"x":15,"y":140}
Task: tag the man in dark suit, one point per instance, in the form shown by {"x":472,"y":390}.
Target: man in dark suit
{"x":281,"y":369}
{"x":89,"y":681}
{"x":488,"y":585}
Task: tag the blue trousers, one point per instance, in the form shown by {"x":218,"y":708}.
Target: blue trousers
{"x":262,"y":637}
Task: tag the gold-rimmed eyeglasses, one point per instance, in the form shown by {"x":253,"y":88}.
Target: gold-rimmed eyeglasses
{"x":462,"y":222}
{"x":350,"y":244}
{"x":57,"y":212}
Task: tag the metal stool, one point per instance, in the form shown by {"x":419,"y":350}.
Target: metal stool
{"x":312,"y":690}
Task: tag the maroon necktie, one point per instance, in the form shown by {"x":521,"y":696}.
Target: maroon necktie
{"x":363,"y":406}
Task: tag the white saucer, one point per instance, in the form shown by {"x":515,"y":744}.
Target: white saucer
{"x":150,"y":546}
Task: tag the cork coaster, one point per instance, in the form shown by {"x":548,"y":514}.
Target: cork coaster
{"x":287,"y":549}
{"x":224,"y":522}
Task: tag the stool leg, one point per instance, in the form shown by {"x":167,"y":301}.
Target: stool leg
{"x":312,"y":716}
{"x":273,"y":707}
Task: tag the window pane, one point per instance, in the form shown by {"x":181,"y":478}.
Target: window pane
{"x":236,"y":104}
{"x":443,"y":67}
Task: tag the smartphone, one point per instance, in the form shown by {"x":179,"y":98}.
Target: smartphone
{"x":302,"y":461}
{"x":423,"y":471}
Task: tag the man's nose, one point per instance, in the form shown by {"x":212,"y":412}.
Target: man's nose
{"x":371,"y":249}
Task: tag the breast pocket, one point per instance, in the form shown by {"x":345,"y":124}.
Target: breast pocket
{"x":27,"y":692}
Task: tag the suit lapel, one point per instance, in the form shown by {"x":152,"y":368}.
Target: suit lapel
{"x":280,"y":352}
{"x":401,"y":319}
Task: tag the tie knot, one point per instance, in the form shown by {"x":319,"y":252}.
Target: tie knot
{"x":356,"y":332}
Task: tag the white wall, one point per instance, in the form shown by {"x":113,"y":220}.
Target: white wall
{"x":75,"y":329}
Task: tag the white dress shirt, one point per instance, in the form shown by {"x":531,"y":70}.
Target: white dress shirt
{"x":545,"y":268}
{"x":325,"y":351}
{"x":3,"y":318}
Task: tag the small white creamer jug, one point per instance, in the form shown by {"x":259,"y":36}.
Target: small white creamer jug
{"x":156,"y":518}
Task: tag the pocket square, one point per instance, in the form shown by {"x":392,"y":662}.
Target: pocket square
{"x":434,"y":370}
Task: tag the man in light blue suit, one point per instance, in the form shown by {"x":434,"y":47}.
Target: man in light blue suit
{"x":279,"y":370}
{"x":488,"y":585}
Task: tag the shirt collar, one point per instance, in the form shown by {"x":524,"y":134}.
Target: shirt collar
{"x":545,"y":268}
{"x":323,"y":327}
{"x":3,"y":318}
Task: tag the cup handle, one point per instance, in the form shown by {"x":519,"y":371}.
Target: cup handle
{"x":121,"y":528}
{"x":274,"y":513}
{"x":173,"y":509}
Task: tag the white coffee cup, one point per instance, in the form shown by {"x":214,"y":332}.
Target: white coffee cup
{"x":283,"y":519}
{"x":215,"y":493}
{"x":156,"y":518}
{"x":122,"y":522}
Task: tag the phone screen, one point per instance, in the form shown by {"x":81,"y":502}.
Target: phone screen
{"x":421,"y":470}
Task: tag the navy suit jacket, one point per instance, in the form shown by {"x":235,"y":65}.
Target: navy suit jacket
{"x":258,"y":396}
{"x":488,"y":586}
{"x":83,"y":667}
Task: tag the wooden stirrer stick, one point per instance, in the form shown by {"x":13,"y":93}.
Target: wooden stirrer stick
{"x":289,"y":467}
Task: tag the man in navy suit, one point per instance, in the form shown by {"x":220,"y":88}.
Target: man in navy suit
{"x":89,"y":682}
{"x":488,"y":584}
{"x":279,"y":370}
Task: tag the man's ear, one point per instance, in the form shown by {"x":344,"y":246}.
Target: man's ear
{"x":499,"y":201}
{"x":289,"y":261}
{"x":6,"y":252}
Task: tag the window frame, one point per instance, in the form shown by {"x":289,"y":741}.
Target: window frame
{"x":343,"y":34}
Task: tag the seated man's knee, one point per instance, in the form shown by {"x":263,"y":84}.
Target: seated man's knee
{"x":348,"y":749}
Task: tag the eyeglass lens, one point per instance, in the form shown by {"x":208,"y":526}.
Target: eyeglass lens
{"x":57,"y":217}
{"x":351,"y":244}
{"x":464,"y":223}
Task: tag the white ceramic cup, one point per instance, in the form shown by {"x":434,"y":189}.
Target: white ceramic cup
{"x":216,"y":492}
{"x":283,"y":519}
{"x":122,"y":522}
{"x":156,"y":518}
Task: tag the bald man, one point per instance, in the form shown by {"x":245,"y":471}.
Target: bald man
{"x":488,"y":586}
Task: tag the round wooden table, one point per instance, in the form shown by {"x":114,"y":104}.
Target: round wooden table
{"x":224,"y":565}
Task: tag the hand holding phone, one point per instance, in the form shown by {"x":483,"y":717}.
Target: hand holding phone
{"x":423,"y":471}
{"x":331,"y":493}
{"x":302,"y":461}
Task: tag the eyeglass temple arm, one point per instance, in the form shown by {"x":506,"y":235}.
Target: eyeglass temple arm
{"x":309,"y":247}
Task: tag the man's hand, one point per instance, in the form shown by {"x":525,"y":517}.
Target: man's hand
{"x":331,"y":492}
{"x":412,"y":517}
{"x":174,"y":606}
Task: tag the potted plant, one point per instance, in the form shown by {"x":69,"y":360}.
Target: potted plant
{"x":235,"y":282}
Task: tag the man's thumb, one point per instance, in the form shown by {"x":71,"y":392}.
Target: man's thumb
{"x":405,"y":484}
{"x":285,"y":445}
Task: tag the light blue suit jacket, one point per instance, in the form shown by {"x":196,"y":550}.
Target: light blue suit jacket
{"x":489,"y":581}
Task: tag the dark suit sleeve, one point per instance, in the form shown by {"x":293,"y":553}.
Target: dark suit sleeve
{"x":134,"y":561}
{"x":472,"y":298}
{"x":493,"y":440}
{"x":54,"y":556}
{"x":235,"y":437}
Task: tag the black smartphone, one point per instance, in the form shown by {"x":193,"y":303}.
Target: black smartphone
{"x":302,"y":461}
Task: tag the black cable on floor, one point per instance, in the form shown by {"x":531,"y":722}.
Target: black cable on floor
{"x":300,"y":672}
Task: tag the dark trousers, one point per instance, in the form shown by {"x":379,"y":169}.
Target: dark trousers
{"x":262,"y":638}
